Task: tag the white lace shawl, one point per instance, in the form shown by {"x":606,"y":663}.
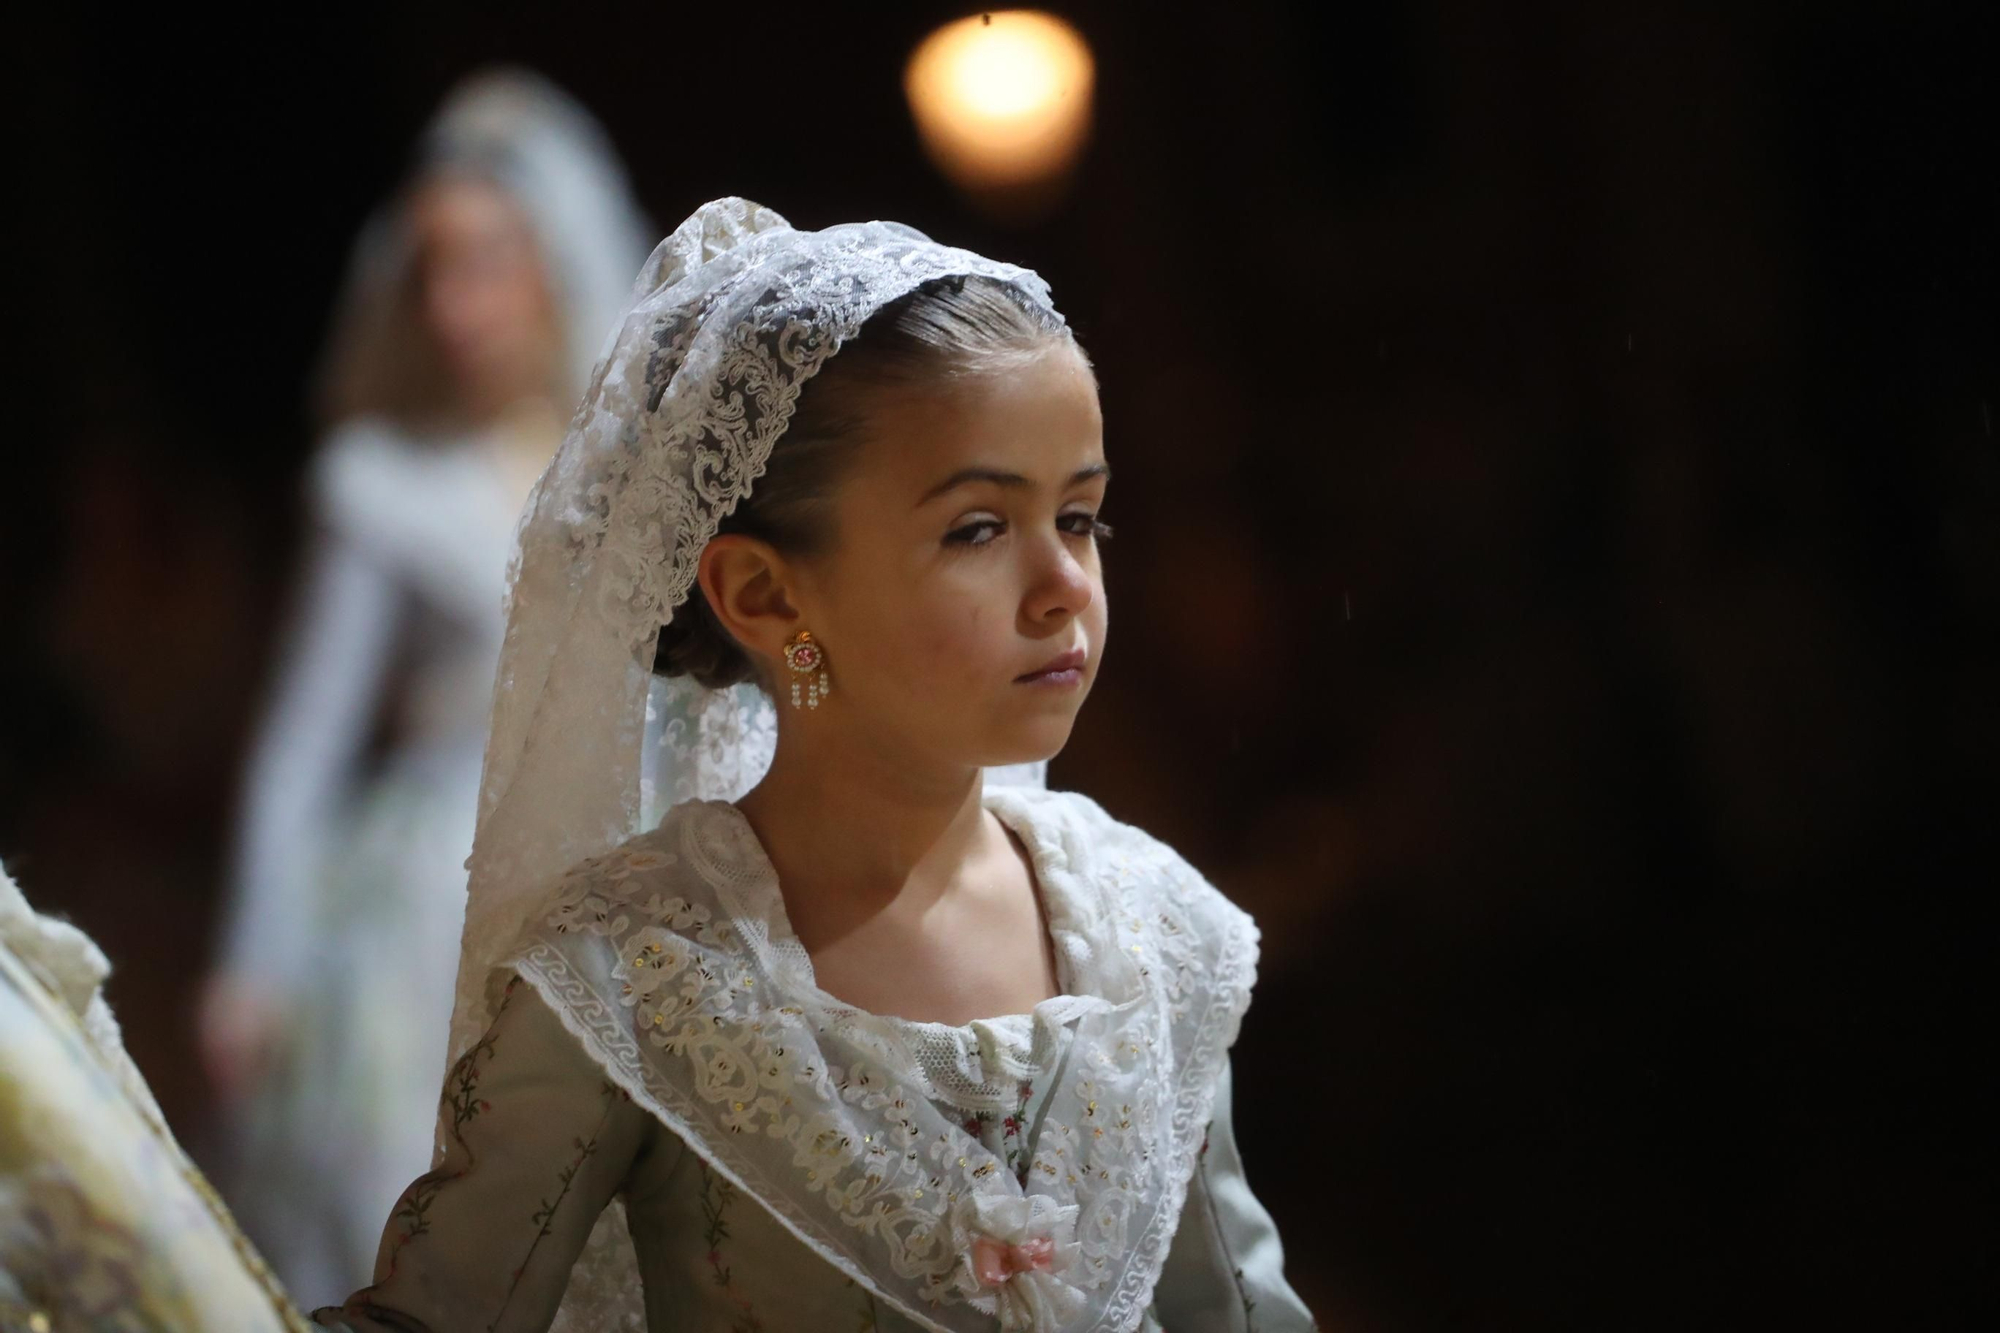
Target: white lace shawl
{"x":670,"y":960}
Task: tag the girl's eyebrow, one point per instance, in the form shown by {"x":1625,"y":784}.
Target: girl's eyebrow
{"x":966,"y":476}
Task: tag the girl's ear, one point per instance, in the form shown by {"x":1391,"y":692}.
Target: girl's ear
{"x":749,"y":587}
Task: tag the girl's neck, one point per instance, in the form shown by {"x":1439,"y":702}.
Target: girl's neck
{"x":861,"y":831}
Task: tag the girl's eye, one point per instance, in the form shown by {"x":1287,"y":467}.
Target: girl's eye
{"x":975,"y":534}
{"x":986,"y":530}
{"x":1085,"y":525}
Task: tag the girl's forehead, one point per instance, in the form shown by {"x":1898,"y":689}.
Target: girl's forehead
{"x":1042,"y":418}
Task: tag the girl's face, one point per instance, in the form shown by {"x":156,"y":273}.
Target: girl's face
{"x":964,"y":567}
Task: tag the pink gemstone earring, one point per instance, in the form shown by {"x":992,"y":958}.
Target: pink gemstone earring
{"x":805,"y":657}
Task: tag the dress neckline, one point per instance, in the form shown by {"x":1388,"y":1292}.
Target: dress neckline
{"x":984,"y":1051}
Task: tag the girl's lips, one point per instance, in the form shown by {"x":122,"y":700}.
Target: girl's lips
{"x":1070,"y":664}
{"x":1064,"y":679}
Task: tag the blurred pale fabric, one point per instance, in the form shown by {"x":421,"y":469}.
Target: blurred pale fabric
{"x":328,"y":1016}
{"x":104,"y":1222}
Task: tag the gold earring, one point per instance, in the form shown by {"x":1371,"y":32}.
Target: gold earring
{"x":805,"y":657}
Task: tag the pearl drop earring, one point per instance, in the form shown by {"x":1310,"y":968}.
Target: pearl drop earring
{"x":806,"y":658}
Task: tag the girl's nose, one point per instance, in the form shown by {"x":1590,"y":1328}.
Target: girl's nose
{"x":1062,"y":586}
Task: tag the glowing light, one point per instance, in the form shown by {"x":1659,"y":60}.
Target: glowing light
{"x":1002,"y":100}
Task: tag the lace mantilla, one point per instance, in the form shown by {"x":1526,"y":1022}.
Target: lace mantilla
{"x":665,"y":959}
{"x":731,"y":316}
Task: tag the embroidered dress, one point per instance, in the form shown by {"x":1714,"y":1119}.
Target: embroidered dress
{"x":782,"y":1161}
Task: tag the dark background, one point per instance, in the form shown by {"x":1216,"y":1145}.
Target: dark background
{"x":1556,"y":582}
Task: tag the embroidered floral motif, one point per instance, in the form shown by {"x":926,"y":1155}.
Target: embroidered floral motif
{"x":544,"y":1216}
{"x":1249,"y":1303}
{"x":1015,"y":1135}
{"x":1012,"y":1131}
{"x":462,"y":1097}
{"x":462,"y":1090}
{"x":716,"y":1196}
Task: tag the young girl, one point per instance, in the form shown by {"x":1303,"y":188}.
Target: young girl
{"x":880,"y":1044}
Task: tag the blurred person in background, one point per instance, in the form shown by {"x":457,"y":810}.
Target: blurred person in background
{"x":475,"y":302}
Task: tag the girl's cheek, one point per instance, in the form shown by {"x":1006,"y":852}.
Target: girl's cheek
{"x":921,"y":644}
{"x":954,"y":644}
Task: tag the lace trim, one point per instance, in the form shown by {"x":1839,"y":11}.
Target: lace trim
{"x":848,"y":1158}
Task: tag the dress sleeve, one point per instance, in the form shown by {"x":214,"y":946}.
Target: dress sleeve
{"x":335,"y":653}
{"x":537,"y":1142}
{"x":1226,"y":1269}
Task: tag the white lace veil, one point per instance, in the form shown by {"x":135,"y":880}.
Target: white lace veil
{"x":730,"y":317}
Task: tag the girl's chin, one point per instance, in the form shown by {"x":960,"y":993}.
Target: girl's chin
{"x":1028,"y":744}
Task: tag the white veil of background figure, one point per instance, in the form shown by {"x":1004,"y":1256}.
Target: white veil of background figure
{"x":475,"y":305}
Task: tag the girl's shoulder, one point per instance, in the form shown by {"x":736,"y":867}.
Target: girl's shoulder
{"x":1131,"y":871}
{"x":642,"y":867}
{"x":637,"y":895}
{"x":685,"y":868}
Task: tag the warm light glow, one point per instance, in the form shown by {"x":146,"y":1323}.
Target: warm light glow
{"x":1001,"y":99}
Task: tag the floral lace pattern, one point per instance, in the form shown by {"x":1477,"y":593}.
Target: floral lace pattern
{"x":646,"y":959}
